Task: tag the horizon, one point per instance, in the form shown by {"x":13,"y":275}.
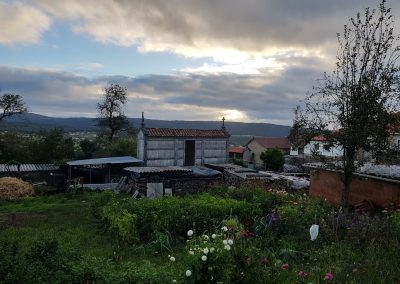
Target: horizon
{"x":193,"y":61}
{"x":146,"y":118}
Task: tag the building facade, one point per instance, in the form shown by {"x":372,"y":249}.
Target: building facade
{"x":160,"y":147}
{"x":258,"y":145}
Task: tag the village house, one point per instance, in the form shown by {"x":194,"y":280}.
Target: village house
{"x":236,"y":153}
{"x":161,"y":147}
{"x":317,"y":146}
{"x":258,"y":145}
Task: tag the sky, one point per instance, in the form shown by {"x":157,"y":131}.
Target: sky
{"x":250,"y":61}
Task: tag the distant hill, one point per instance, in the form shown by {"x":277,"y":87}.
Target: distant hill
{"x":32,"y":122}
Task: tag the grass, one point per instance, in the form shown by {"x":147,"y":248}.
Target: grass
{"x":68,"y":219}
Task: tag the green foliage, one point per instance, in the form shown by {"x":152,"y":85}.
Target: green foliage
{"x":273,"y":159}
{"x":175,"y":215}
{"x":122,"y":221}
{"x":267,"y":200}
{"x":51,"y":146}
{"x":124,"y":146}
{"x":56,"y":239}
{"x":89,"y":148}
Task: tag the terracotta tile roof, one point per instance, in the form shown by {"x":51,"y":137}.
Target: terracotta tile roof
{"x":174,"y":132}
{"x":236,"y":149}
{"x":319,"y":138}
{"x":272,"y":142}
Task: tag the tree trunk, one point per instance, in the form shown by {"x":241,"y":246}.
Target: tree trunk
{"x":348,"y":174}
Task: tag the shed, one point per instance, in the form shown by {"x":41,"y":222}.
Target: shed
{"x":101,"y":170}
{"x":162,"y":147}
{"x":35,"y":172}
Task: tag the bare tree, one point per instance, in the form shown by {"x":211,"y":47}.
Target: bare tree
{"x":111,"y":116}
{"x":359,"y":98}
{"x":11,"y":104}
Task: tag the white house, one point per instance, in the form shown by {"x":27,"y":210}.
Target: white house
{"x":317,"y":146}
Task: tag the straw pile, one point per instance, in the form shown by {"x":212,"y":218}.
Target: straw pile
{"x":13,"y":188}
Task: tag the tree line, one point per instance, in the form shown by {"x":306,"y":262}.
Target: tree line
{"x":116,"y":135}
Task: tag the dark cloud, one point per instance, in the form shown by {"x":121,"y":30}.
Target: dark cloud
{"x":184,"y":96}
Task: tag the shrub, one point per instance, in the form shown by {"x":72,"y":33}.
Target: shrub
{"x":174,"y":215}
{"x":98,"y":201}
{"x":267,"y":200}
{"x":121,"y":221}
{"x":273,"y":159}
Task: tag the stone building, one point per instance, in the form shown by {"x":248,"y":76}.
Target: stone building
{"x":160,"y":147}
{"x":258,"y":145}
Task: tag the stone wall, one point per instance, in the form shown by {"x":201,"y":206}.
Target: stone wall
{"x":179,"y":185}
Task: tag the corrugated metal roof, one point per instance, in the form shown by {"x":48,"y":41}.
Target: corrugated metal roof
{"x":175,"y":132}
{"x":28,"y":168}
{"x":108,"y":160}
{"x":145,"y":170}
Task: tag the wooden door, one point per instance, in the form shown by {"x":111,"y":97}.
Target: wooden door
{"x":190,"y":149}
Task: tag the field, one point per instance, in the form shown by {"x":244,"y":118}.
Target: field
{"x":228,"y":236}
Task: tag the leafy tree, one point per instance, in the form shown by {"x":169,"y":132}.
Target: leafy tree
{"x":111,"y":116}
{"x":13,"y":148}
{"x":89,"y":148}
{"x":51,"y":146}
{"x":123,"y":147}
{"x":358,"y":98}
{"x":273,"y":160}
{"x":11,"y":104}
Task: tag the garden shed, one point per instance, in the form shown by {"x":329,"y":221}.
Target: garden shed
{"x":162,"y":147}
{"x":105,"y":171}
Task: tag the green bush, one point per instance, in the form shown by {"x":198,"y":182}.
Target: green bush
{"x":267,"y":200}
{"x":173,"y":215}
{"x":273,"y":159}
{"x":98,"y":201}
{"x":121,"y":221}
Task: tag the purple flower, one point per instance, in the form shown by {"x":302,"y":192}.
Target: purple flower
{"x":329,"y":276}
{"x":274,"y":217}
{"x":285,"y":266}
{"x":302,"y":274}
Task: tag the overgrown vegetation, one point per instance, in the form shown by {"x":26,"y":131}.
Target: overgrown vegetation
{"x":229,"y":236}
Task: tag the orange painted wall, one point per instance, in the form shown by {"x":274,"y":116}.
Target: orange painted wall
{"x":328,"y":184}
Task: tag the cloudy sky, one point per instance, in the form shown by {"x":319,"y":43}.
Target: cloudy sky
{"x":250,"y":60}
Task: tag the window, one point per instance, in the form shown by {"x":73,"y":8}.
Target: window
{"x":316,"y":147}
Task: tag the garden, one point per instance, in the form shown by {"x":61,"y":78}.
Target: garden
{"x":228,"y":235}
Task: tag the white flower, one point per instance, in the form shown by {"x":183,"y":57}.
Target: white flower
{"x":224,"y":228}
{"x":190,"y":233}
{"x":191,"y":252}
{"x":227,"y":247}
{"x":230,"y":242}
{"x":205,"y":251}
{"x":204,"y":258}
{"x":225,"y":242}
{"x":213,"y":236}
{"x":212,"y":249}
{"x":314,"y":232}
{"x":172,"y":258}
{"x":206,"y":237}
{"x":174,"y":281}
{"x":188,"y":273}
